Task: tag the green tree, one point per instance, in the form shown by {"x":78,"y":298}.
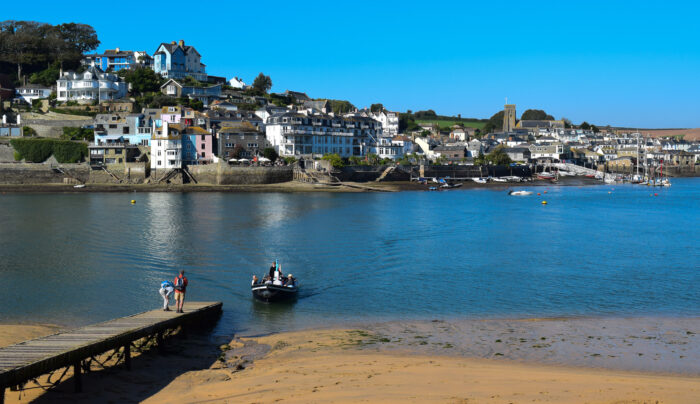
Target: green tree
{"x":567,"y":122}
{"x":46,"y":77}
{"x":480,"y":160}
{"x":270,"y":153}
{"x":335,"y":159}
{"x":494,"y":123}
{"x":499,"y":157}
{"x":142,"y":79}
{"x":262,"y":84}
{"x":585,"y":125}
{"x":376,"y":107}
{"x":537,"y":115}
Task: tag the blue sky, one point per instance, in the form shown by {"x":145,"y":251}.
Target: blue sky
{"x":607,"y":62}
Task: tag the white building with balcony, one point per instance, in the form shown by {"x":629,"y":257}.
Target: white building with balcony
{"x":389,"y":120}
{"x":166,"y":146}
{"x":89,"y":86}
{"x":297,"y":134}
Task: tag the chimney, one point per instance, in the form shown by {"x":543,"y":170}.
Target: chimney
{"x":181,"y":43}
{"x":172,"y":43}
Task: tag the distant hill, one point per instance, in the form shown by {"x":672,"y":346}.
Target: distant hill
{"x":448,"y":123}
{"x":688,"y":134}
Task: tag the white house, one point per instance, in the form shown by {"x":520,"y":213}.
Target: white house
{"x":389,"y":120}
{"x":32,"y":92}
{"x":238,"y":83}
{"x":89,"y":86}
{"x":553,"y":151}
{"x":166,"y":145}
{"x":296,"y":134}
{"x":386,"y":148}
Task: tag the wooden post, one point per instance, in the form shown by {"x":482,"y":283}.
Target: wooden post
{"x":127,"y":356}
{"x":77,"y":375}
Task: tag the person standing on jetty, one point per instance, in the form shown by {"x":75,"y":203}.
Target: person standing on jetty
{"x":180,"y":289}
{"x":166,"y":289}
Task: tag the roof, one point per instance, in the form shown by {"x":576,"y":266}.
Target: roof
{"x":195,"y":130}
{"x":237,"y":127}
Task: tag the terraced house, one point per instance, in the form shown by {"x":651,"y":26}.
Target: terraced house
{"x":298,"y":134}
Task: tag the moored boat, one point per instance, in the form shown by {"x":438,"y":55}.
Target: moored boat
{"x":519,"y":193}
{"x":268,"y":292}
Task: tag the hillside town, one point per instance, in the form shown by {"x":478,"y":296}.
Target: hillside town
{"x":206,"y":119}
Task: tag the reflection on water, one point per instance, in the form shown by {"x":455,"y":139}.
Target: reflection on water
{"x":81,"y":258}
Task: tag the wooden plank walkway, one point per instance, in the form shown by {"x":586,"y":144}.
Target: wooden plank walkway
{"x":27,"y":360}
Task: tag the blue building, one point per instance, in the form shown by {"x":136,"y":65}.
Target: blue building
{"x":117,"y":59}
{"x":176,"y":60}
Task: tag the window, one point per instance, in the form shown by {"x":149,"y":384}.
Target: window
{"x":203,"y":138}
{"x":159,"y":162}
{"x":202,"y":146}
{"x":159,"y":151}
{"x":203,"y":154}
{"x":117,"y":151}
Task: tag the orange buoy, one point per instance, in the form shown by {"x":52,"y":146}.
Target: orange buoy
{"x":544,"y":202}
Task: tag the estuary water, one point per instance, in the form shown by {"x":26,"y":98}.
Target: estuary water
{"x":74,"y":259}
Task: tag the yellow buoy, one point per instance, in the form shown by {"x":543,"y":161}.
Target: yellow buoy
{"x":133,"y":201}
{"x":544,"y":202}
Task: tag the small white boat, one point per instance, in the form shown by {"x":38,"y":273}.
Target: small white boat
{"x":479,"y":180}
{"x":512,"y":178}
{"x":519,"y":193}
{"x":79,"y":186}
{"x":499,"y":179}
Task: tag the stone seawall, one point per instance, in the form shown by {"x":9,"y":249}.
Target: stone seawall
{"x":222,"y":174}
{"x":54,"y":128}
{"x":17,"y":173}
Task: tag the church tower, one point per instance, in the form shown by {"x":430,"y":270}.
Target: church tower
{"x":508,"y":118}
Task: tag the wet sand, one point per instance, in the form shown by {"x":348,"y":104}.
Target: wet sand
{"x":598,"y":360}
{"x":291,"y":186}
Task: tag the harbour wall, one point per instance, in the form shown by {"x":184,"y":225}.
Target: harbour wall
{"x":21,"y":173}
{"x":223,"y":174}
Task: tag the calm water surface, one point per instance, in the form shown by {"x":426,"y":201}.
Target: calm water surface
{"x":73,"y":259}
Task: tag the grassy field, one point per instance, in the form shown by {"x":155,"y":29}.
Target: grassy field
{"x":447,"y":123}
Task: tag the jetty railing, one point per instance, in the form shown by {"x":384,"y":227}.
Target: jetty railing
{"x":26,"y":361}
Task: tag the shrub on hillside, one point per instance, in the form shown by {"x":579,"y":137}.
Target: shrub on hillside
{"x":38,"y":150}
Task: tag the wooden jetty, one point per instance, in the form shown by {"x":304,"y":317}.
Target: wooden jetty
{"x":28,"y":360}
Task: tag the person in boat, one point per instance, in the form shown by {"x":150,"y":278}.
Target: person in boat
{"x":255,"y":279}
{"x":290,"y":282}
{"x":273,"y":268}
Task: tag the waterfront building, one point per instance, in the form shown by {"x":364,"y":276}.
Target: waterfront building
{"x":451,"y":153}
{"x":89,"y":86}
{"x":166,"y":146}
{"x":389,"y":121}
{"x":204,"y":94}
{"x":519,"y":154}
{"x":197,"y":146}
{"x":241,"y":140}
{"x":31,"y":92}
{"x":548,"y":152}
{"x":176,"y":60}
{"x":134,"y":129}
{"x":508,"y":118}
{"x":405,"y":143}
{"x":105,"y":154}
{"x":116,"y":59}
{"x":298,"y":134}
{"x":385,"y":148}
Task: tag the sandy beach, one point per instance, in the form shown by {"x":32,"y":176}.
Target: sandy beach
{"x":428,"y":361}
